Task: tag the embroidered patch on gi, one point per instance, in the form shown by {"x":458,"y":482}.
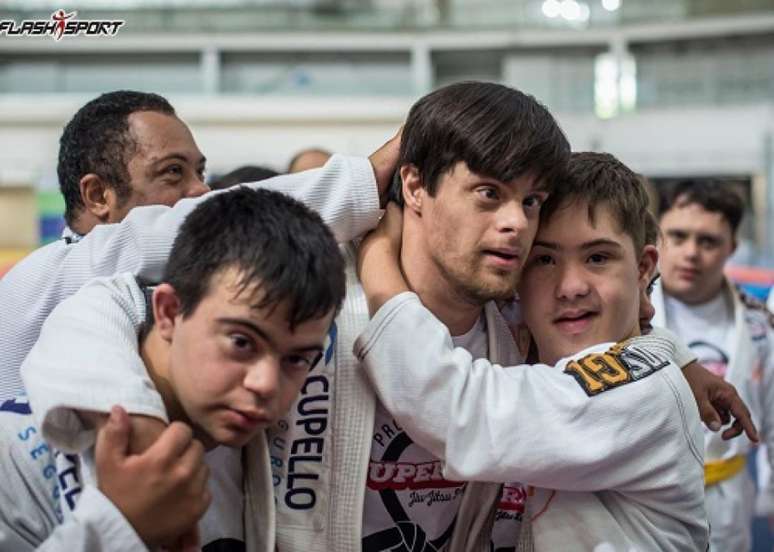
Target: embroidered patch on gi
{"x":756,"y":306}
{"x":621,"y":364}
{"x":19,"y":405}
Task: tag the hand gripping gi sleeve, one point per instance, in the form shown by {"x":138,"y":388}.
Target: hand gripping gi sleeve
{"x":38,"y":511}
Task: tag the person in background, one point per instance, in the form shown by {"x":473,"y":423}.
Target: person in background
{"x":731,"y":333}
{"x":242,"y":175}
{"x":308,"y":159}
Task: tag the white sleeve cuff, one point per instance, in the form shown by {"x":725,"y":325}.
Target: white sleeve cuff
{"x":380,"y":320}
{"x":64,"y":429}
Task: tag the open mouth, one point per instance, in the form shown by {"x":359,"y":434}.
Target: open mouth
{"x":571,"y":317}
{"x":501,"y":254}
{"x":504,"y":258}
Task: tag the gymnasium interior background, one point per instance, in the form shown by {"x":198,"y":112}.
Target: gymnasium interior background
{"x":674,"y":88}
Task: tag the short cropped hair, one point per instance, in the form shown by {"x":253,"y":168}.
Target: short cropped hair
{"x":601,"y":179}
{"x":274,"y":242}
{"x":652,"y":231}
{"x":97,"y":140}
{"x":711,"y":195}
{"x":499,"y":132}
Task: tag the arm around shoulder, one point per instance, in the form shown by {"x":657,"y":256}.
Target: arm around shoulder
{"x":89,"y":342}
{"x":534,"y":424}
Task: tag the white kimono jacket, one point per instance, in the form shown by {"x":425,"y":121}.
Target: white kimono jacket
{"x":610,"y":438}
{"x":45,"y":504}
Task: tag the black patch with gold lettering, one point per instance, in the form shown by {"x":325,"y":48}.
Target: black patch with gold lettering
{"x":621,"y":364}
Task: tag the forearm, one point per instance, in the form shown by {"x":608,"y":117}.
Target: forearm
{"x":344,"y":192}
{"x":379,"y":261}
{"x":532,"y":424}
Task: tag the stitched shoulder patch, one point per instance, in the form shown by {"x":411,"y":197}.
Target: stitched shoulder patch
{"x":755,"y":305}
{"x":621,"y":364}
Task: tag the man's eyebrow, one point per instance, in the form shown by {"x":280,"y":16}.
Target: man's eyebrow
{"x":601,"y":242}
{"x":180,"y":157}
{"x":252,"y":326}
{"x":706,"y":236}
{"x":546,"y":244}
{"x":586,"y":245}
{"x":266,"y":337}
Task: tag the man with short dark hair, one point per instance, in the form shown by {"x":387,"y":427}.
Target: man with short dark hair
{"x":732,"y":335}
{"x":252,"y":285}
{"x":125,"y":149}
{"x":128,"y":149}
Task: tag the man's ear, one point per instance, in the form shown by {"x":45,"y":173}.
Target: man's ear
{"x":166,"y":308}
{"x":647,"y":266}
{"x":413,"y":191}
{"x":98,"y":198}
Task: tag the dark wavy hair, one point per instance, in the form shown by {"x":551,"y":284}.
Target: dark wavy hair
{"x":282,"y":250}
{"x":499,"y":132}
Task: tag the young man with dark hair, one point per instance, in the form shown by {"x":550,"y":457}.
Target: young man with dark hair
{"x":128,"y":149}
{"x":252,"y":285}
{"x":605,"y":432}
{"x":731,"y":333}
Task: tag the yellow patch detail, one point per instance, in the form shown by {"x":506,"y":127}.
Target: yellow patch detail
{"x":599,"y":371}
